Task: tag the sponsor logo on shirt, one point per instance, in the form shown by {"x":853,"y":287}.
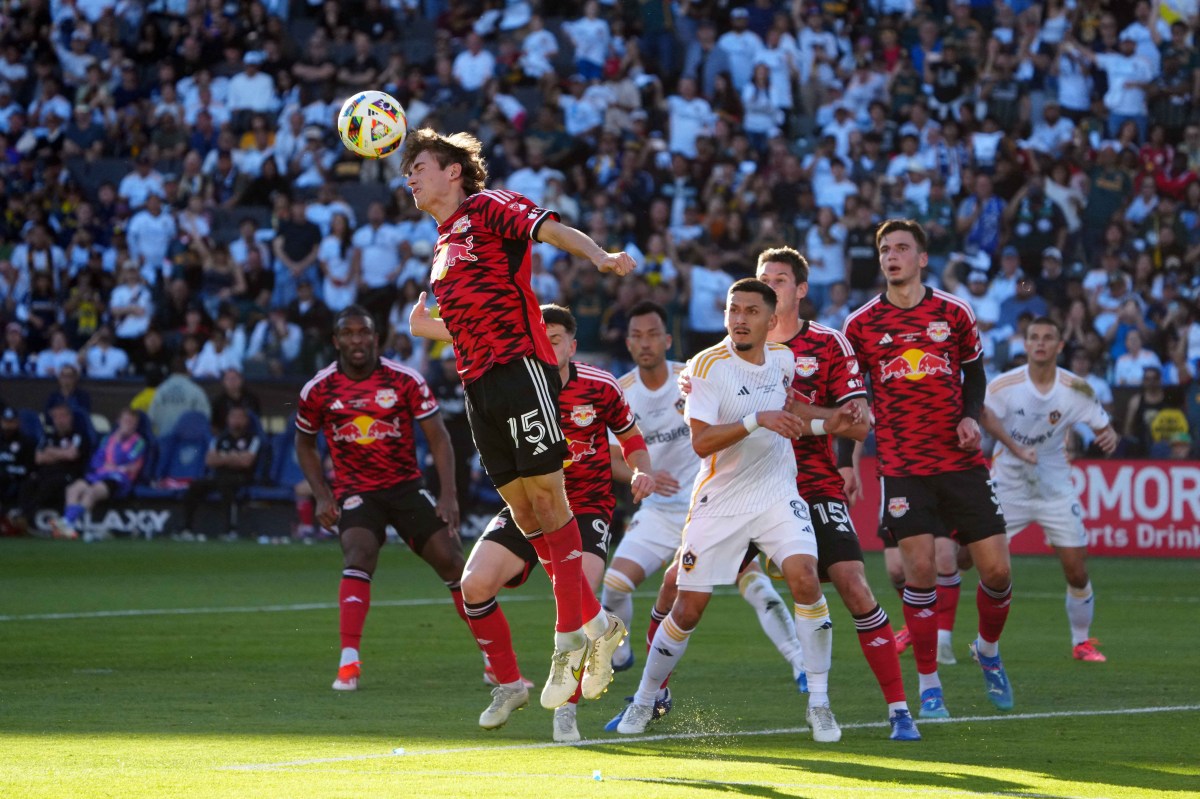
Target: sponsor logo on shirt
{"x":806,"y":366}
{"x":938,"y":331}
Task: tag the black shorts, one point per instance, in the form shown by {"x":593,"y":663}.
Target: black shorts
{"x":964,"y":502}
{"x":837,"y":540}
{"x":513,"y":412}
{"x":593,"y":530}
{"x":889,"y":540}
{"x":408,"y":507}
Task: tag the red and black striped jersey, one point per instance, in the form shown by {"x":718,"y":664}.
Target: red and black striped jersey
{"x":481,"y":279}
{"x":589,"y":405}
{"x":368,"y":424}
{"x":915,"y":358}
{"x":827,"y":375}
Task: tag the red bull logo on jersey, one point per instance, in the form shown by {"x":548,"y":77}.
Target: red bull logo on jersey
{"x":938,"y":331}
{"x":898,"y":506}
{"x":462,"y":225}
{"x":365,"y":430}
{"x":806,"y":366}
{"x":451,"y":252}
{"x":583,"y":415}
{"x":385,"y":397}
{"x":578,"y":450}
{"x":914,"y":364}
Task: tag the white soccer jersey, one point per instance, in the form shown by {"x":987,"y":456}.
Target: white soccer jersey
{"x":760,"y":469}
{"x":1040,"y":421}
{"x":659,"y":416}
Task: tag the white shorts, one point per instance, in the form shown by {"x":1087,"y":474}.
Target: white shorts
{"x":713,"y":546}
{"x":1061,"y":519}
{"x":652,"y":537}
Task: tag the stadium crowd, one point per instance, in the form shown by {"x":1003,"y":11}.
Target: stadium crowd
{"x":175,"y":197}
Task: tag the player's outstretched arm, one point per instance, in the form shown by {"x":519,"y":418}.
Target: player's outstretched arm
{"x":995,"y":428}
{"x":310,"y":463}
{"x":634,"y":452}
{"x":443,"y":460}
{"x":422,"y":324}
{"x":580,"y":244}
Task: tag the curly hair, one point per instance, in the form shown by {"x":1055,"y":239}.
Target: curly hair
{"x":458,"y":148}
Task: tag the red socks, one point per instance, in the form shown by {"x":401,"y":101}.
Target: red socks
{"x":949,"y":586}
{"x":354,"y":600}
{"x":490,"y":628}
{"x":574,"y":598}
{"x":920,"y":614}
{"x":878,"y":643}
{"x":993,"y":611}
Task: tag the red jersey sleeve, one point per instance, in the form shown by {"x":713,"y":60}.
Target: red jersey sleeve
{"x":420,"y":400}
{"x":510,"y":215}
{"x":618,"y":416}
{"x":309,"y":416}
{"x":970,"y":346}
{"x":845,"y":373}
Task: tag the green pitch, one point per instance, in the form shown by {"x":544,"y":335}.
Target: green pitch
{"x":135,"y":669}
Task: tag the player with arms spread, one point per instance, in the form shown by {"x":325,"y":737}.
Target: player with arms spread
{"x":481,"y":278}
{"x":921,"y":348}
{"x":366,"y":407}
{"x":745,"y":494}
{"x":1029,"y":411}
{"x":828,"y":376}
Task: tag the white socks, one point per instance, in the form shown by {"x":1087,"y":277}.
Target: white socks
{"x":617,"y":597}
{"x":1081,"y":607}
{"x":772,"y":613}
{"x":349,"y":655}
{"x":815,"y":631}
{"x":670,"y":642}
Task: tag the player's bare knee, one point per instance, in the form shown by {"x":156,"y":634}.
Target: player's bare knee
{"x":477,"y":588}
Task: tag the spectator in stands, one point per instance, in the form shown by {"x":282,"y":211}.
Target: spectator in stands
{"x":274,"y":346}
{"x":177,"y":395}
{"x":15,"y":360}
{"x":295,"y":247}
{"x":538,"y":51}
{"x":590,"y":36}
{"x":231,"y":459}
{"x":131,"y":307}
{"x":50,"y":361}
{"x":151,"y":234}
{"x":1143,"y":425}
{"x":251,"y":91}
{"x":139,"y":184}
{"x":339,"y":286}
{"x":315,"y":321}
{"x":113,"y":470}
{"x":1131,"y":366}
{"x":153,"y":362}
{"x":233,"y":393}
{"x":215,"y":356}
{"x":60,"y":460}
{"x":101,"y":360}
{"x":375,"y":260}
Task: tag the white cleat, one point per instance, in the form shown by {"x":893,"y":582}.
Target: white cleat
{"x":505,"y":700}
{"x":825,"y":728}
{"x":635,"y":718}
{"x":566,"y":669}
{"x":347,"y":677}
{"x":945,"y":655}
{"x":565,"y":728}
{"x":599,"y":671}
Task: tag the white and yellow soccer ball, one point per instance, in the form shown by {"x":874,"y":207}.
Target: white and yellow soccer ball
{"x":372,"y":124}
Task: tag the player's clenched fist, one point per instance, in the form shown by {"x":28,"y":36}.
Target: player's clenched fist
{"x":619,"y":263}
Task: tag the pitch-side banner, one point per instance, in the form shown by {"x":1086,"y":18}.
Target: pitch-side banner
{"x":1147,"y":509}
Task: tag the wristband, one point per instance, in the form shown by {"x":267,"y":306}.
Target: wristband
{"x":817,"y":426}
{"x":750,"y":422}
{"x":632,"y":445}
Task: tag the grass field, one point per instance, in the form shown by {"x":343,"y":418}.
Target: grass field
{"x":136,"y":669}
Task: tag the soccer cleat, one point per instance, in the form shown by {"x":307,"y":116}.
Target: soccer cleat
{"x":903,"y":639}
{"x":945,"y":655}
{"x":824,"y":726}
{"x":903,"y":727}
{"x":1087,"y":651}
{"x":565,"y":728}
{"x":662,"y":706}
{"x":598,"y":670}
{"x":635,"y":718}
{"x":995,"y":679}
{"x":566,"y":669}
{"x":61,"y":528}
{"x":933,"y":706}
{"x":489,"y":678}
{"x":505,"y":699}
{"x":347,"y":677}
{"x":802,"y":682}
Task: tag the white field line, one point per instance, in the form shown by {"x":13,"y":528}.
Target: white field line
{"x":421,"y":602}
{"x":689,"y":736}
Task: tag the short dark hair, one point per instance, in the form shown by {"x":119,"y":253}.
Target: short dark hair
{"x":353,"y":312}
{"x":457,"y":148}
{"x":899,"y":225}
{"x":557,"y":315}
{"x":645,"y":307}
{"x":1045,"y":320}
{"x":786,"y":255}
{"x":752,"y":285}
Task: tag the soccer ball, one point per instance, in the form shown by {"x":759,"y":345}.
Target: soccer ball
{"x":372,"y":124}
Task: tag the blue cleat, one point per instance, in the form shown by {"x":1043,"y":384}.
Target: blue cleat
{"x":802,"y":682}
{"x":933,"y":706}
{"x":626,"y":666}
{"x":661,"y":708}
{"x":995,"y":680}
{"x":903,"y":727}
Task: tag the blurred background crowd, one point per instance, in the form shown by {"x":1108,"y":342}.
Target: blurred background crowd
{"x":176,"y":202}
